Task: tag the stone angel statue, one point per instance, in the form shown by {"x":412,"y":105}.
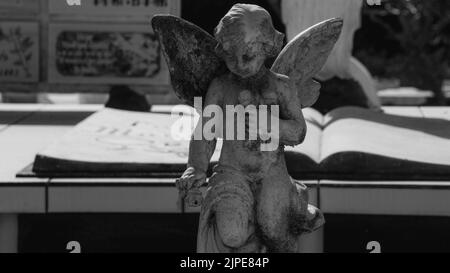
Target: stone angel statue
{"x":252,"y":205}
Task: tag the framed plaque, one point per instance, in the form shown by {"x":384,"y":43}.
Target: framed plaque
{"x":105,"y":54}
{"x":19,"y":52}
{"x":20,"y":5}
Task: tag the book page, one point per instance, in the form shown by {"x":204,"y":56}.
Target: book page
{"x":306,"y":156}
{"x":358,"y":130}
{"x":115,"y":136}
{"x":313,"y":116}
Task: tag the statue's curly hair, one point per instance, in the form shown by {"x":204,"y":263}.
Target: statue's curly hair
{"x":245,"y":24}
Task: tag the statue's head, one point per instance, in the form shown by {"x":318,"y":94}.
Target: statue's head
{"x":247,"y":38}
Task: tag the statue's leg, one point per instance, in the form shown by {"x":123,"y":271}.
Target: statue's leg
{"x":231,"y":202}
{"x":274,"y":211}
{"x":232,"y":221}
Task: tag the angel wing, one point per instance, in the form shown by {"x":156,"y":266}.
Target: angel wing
{"x":305,"y":56}
{"x":190,"y":55}
{"x":193,"y":63}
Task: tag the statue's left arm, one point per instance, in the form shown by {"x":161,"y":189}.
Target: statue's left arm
{"x":292,"y":125}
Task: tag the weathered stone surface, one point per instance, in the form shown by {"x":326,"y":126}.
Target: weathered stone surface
{"x":189,"y":52}
{"x":305,"y":55}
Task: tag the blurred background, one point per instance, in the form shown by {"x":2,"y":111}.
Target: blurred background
{"x":404,"y":44}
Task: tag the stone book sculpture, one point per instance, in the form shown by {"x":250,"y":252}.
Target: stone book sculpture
{"x":252,"y":204}
{"x":348,"y":143}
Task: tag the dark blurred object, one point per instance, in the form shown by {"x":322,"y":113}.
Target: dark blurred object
{"x":338,"y":92}
{"x":109,"y":233}
{"x":13,"y":97}
{"x":123,"y":98}
{"x":408,"y":40}
{"x":395,"y":234}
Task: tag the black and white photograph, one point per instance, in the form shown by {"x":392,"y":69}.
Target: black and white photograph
{"x":227,"y":127}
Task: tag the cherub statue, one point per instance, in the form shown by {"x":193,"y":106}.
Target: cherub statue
{"x":252,"y":204}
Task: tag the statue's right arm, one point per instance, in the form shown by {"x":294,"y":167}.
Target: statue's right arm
{"x":201,"y":150}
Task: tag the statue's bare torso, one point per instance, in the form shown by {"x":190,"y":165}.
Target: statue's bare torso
{"x":247,"y":156}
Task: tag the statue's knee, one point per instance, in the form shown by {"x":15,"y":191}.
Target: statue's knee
{"x":232,"y":225}
{"x":272,"y":228}
{"x":277,"y":237}
{"x":270,"y":232}
{"x":234,"y":240}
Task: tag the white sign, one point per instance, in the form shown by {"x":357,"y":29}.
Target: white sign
{"x":374,"y":2}
{"x":73,"y":2}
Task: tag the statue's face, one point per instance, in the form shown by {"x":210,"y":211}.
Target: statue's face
{"x":245,"y":61}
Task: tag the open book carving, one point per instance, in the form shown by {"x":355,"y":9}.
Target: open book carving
{"x":348,"y":143}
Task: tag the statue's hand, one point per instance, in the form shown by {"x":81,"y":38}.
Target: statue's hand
{"x":191,"y":179}
{"x":189,"y":187}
